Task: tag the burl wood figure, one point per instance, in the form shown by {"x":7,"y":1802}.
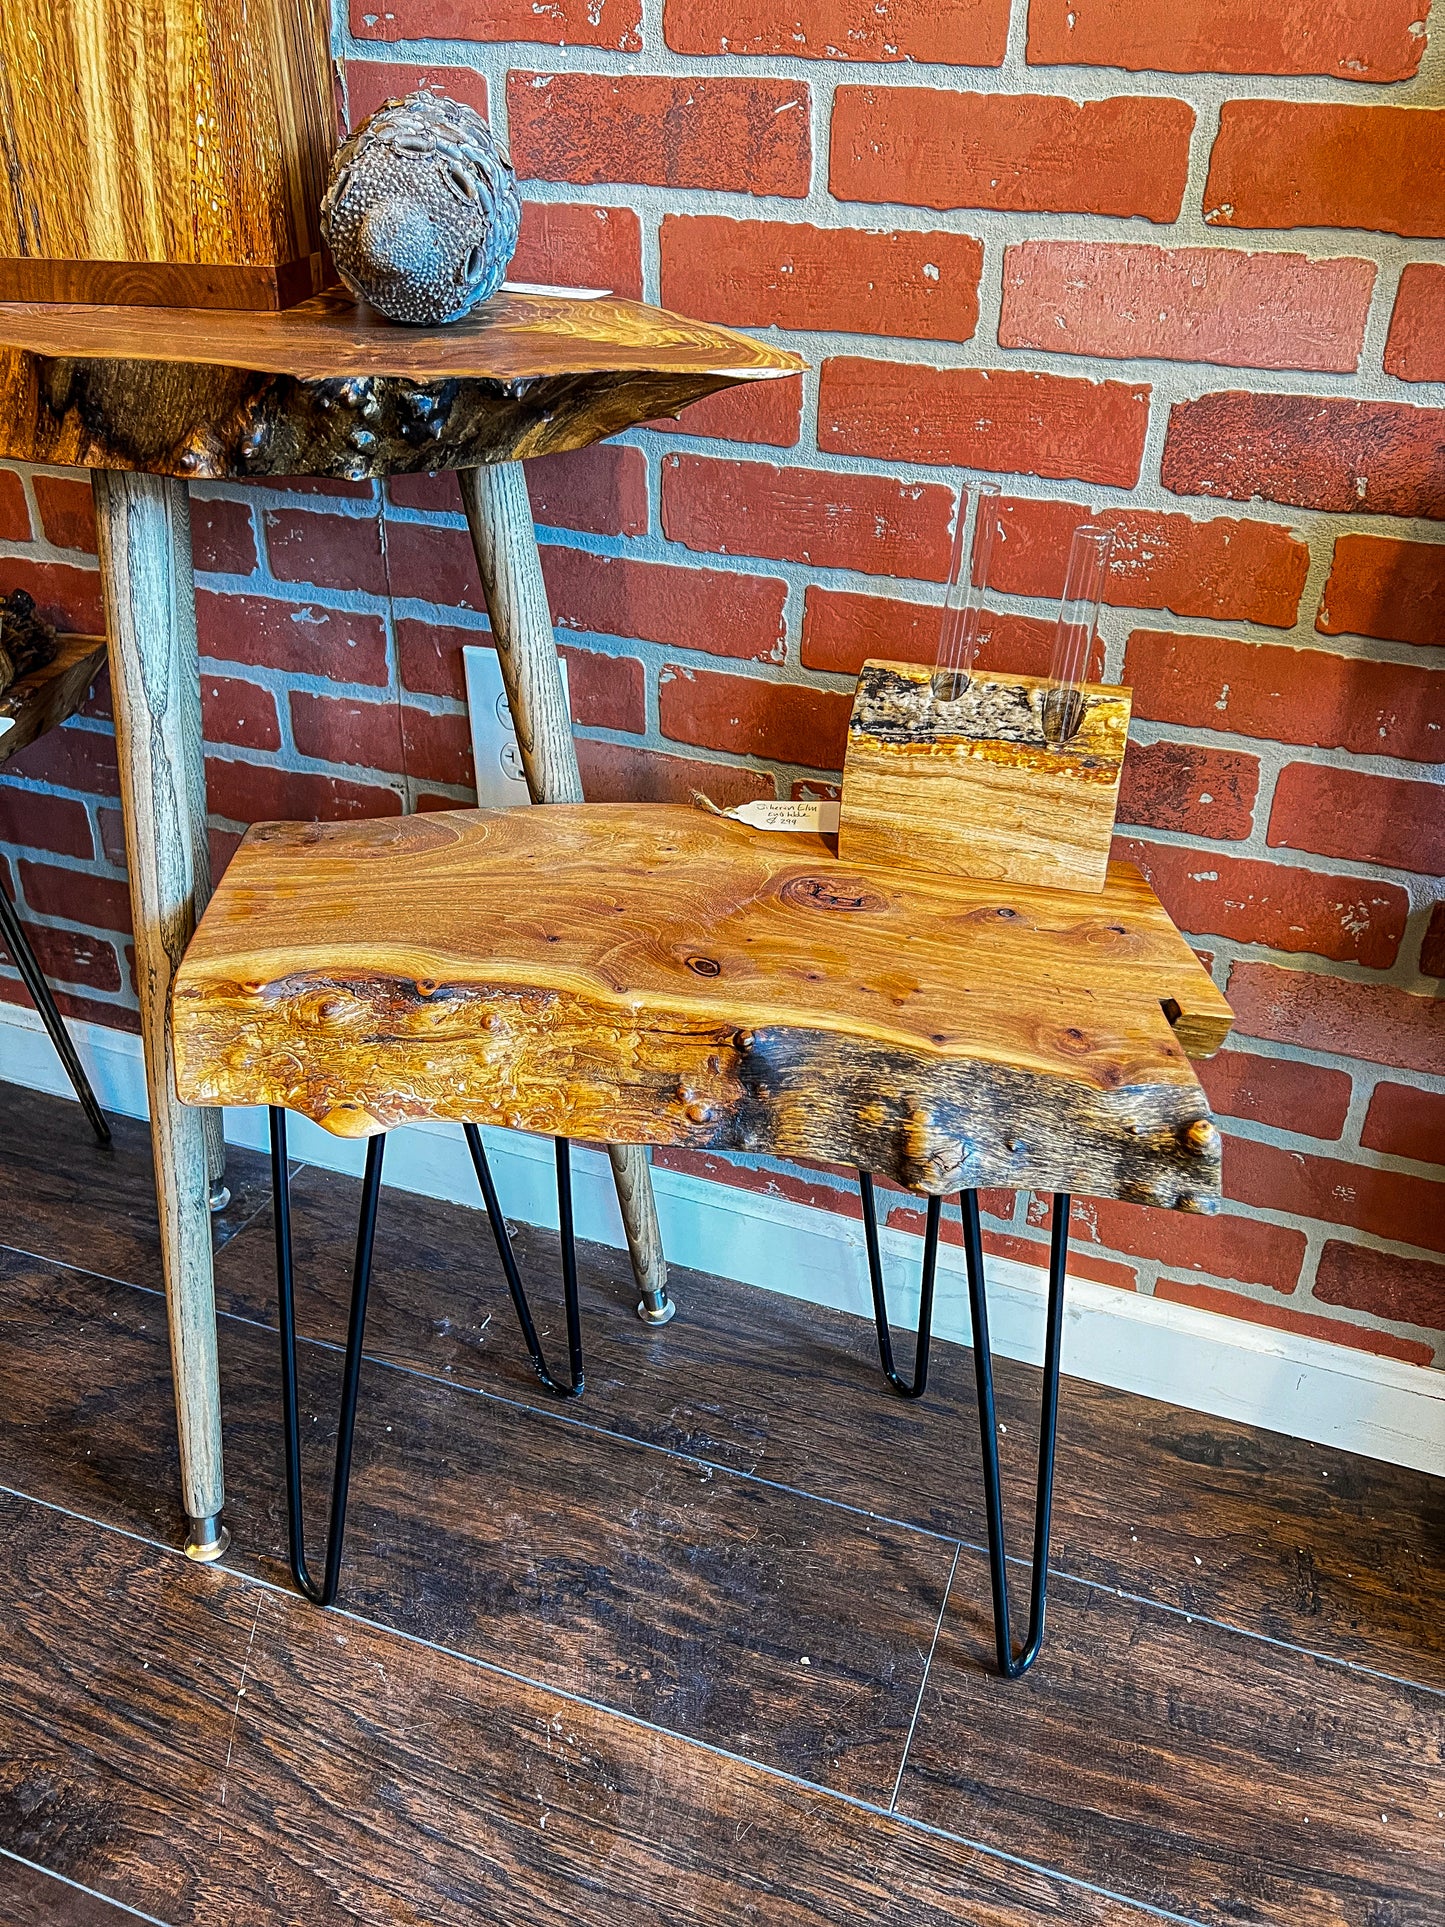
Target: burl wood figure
{"x":642,"y":974}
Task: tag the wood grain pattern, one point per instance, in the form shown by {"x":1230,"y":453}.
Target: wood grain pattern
{"x":1235,"y":1783}
{"x":1155,"y":1754}
{"x":159,"y":284}
{"x":331,"y":388}
{"x":34,"y":1898}
{"x":642,"y":1581}
{"x":1303,"y":1543}
{"x":632,"y":1177}
{"x":363,"y":1778}
{"x":37,"y":702}
{"x":86,"y":1204}
{"x":971,"y":786}
{"x":650,"y":974}
{"x":504,"y":537}
{"x":144,"y":530}
{"x":144,"y":136}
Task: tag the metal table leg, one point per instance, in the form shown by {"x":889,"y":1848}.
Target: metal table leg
{"x":1009,"y":1664}
{"x":145,"y":563}
{"x":12,"y":933}
{"x":323,"y":1591}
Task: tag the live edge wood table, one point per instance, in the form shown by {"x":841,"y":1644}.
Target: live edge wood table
{"x":649,"y":974}
{"x":149,"y":399}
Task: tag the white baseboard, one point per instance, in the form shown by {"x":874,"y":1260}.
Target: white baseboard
{"x":1224,"y":1366}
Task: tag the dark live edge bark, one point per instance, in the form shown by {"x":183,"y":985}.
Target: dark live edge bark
{"x":907,"y":710}
{"x":359,"y":1055}
{"x":213,"y":423}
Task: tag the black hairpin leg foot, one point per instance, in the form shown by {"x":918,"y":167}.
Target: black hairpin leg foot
{"x":557,"y":1387}
{"x":43,"y":998}
{"x":1010,"y":1664}
{"x":919,"y":1383}
{"x":325,"y":1592}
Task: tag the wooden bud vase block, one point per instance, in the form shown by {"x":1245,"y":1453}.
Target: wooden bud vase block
{"x":167,"y":153}
{"x":970,"y":786}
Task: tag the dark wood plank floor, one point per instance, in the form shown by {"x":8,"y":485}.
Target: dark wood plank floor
{"x":710,"y":1646}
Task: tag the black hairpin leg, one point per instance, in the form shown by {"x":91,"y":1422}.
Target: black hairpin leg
{"x":557,"y":1387}
{"x":43,"y":998}
{"x":880,"y":1305}
{"x":1009,"y":1665}
{"x":325,"y":1592}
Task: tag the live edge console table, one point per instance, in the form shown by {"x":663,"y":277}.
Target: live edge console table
{"x":149,"y":399}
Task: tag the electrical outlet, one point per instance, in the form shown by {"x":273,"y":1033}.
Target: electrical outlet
{"x":501,"y":784}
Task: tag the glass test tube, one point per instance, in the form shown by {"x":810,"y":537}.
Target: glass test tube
{"x":963,"y":614}
{"x":1074,"y":636}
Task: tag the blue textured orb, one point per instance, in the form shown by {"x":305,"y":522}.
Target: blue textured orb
{"x":422,"y":210}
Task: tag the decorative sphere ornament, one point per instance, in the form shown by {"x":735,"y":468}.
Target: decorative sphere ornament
{"x":422,"y":210}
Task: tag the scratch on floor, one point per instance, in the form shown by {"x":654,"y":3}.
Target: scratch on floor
{"x":236,"y":1709}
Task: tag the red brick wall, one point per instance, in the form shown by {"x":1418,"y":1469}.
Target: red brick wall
{"x":1182,"y":268}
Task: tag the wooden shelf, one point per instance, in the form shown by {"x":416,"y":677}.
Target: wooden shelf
{"x":332,"y":388}
{"x":32,"y":704}
{"x":635,"y":973}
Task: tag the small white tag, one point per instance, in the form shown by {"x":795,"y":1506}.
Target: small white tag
{"x":6,"y":723}
{"x":570,"y":294}
{"x":803,"y":813}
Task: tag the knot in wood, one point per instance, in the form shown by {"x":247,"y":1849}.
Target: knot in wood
{"x":933,"y":1160}
{"x":831,"y":893}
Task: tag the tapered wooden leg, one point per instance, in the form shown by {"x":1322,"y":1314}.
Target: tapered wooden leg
{"x":145,"y":562}
{"x":633,"y":1179}
{"x":505,"y":539}
{"x":194,"y":818}
{"x":218,"y":1192}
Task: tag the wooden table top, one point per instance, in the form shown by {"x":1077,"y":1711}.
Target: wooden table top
{"x":649,"y":973}
{"x":332,"y":388}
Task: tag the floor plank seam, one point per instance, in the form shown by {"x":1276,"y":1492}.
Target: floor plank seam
{"x":1244,"y":1632}
{"x":236,"y":1715}
{"x":960,"y":1546}
{"x":923,"y":1682}
{"x":854,"y":1802}
{"x":263,"y":1205}
{"x":77,"y":1886}
{"x":81,"y":1271}
{"x":552,"y":1415}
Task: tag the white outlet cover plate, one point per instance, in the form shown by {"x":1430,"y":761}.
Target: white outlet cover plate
{"x":501,"y":784}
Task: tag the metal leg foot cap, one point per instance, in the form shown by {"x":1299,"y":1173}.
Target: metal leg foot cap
{"x":661,"y":1312}
{"x":220,"y":1195}
{"x":207,"y":1540}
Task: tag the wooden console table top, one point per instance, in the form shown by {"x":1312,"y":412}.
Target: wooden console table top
{"x":332,"y":388}
{"x":641,"y":973}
